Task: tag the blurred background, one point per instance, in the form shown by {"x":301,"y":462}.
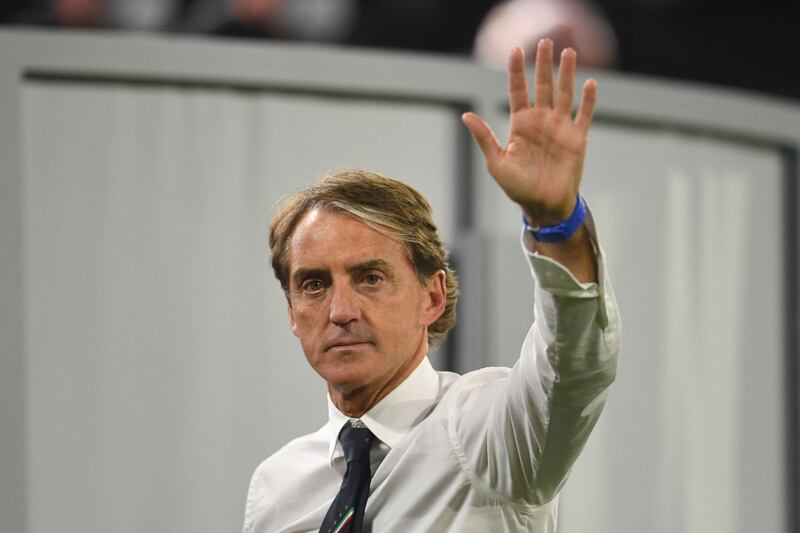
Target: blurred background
{"x":146,"y":362}
{"x":736,"y":44}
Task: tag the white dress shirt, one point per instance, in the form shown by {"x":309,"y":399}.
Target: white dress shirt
{"x":484,"y":452}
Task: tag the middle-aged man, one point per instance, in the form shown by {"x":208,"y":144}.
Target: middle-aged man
{"x":407,"y":448}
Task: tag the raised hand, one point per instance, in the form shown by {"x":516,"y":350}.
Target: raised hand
{"x":540,"y":168}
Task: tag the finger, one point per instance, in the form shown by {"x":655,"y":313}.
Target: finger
{"x":566,"y":81}
{"x":517,"y":86}
{"x":586,"y":109}
{"x":483,"y":135}
{"x":544,"y":73}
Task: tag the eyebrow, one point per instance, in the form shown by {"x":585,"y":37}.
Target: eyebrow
{"x":372,"y":264}
{"x":302,"y":273}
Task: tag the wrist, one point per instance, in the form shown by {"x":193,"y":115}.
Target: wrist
{"x":561,"y":231}
{"x":577,"y":254}
{"x":536,"y":217}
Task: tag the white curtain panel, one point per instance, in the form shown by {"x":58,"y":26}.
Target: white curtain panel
{"x":692,"y":437}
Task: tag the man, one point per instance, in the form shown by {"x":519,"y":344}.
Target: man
{"x":407,"y":448}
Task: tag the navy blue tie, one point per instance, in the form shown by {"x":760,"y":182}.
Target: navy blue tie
{"x":346,"y":513}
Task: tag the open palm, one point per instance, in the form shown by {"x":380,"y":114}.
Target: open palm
{"x":540,"y":168}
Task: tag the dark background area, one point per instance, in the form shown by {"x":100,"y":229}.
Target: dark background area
{"x":751,"y":47}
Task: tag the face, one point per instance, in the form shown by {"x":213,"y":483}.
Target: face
{"x":355,"y":302}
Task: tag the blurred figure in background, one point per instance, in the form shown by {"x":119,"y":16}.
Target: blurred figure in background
{"x":117,"y":14}
{"x":78,"y":13}
{"x":573,"y":24}
{"x":447,"y":26}
{"x":303,"y":20}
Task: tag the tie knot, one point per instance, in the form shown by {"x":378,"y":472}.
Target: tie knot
{"x":356,"y":443}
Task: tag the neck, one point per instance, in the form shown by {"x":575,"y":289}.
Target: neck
{"x":355,"y":402}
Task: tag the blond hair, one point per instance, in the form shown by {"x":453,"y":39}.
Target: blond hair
{"x":384,"y":204}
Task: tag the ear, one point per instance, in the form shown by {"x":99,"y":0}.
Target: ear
{"x":435,"y":299}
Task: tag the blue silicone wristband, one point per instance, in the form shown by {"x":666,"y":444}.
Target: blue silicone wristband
{"x":562,"y":231}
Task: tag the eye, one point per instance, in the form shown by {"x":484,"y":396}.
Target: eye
{"x":312,"y":285}
{"x":372,"y":279}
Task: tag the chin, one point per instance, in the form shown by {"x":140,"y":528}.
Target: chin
{"x":345,"y":375}
{"x":347,"y":384}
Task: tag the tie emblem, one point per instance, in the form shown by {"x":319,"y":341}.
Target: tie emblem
{"x":348,"y":516}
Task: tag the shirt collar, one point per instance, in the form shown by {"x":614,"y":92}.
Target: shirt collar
{"x":392,"y":417}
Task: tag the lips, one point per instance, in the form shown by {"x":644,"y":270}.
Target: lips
{"x":344,"y":344}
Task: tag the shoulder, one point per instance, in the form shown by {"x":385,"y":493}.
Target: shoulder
{"x":295,"y":455}
{"x":283,"y":477}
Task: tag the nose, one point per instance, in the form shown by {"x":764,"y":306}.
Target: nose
{"x":344,"y":307}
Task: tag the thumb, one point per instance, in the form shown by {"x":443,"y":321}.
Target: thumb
{"x":483,"y":135}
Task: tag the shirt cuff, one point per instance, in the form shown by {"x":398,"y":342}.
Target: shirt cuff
{"x":551,"y":276}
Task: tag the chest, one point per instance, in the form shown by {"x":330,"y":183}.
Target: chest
{"x":420,"y":485}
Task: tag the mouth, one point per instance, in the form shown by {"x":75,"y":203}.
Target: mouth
{"x":346,"y":346}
